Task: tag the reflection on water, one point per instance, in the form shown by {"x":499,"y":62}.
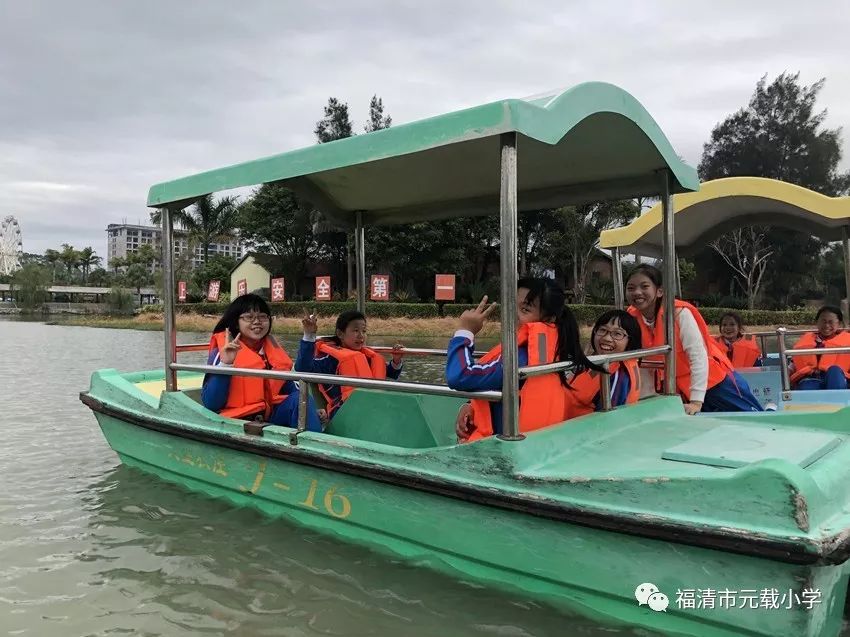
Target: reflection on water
{"x":89,"y":547}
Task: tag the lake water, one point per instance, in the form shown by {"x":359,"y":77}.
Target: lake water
{"x":89,"y":547}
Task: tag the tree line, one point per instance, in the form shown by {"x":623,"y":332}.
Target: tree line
{"x":780,"y":133}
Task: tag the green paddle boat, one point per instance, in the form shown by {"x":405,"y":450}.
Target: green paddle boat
{"x":640,"y":516}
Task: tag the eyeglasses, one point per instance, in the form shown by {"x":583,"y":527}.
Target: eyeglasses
{"x":255,"y":318}
{"x":617,"y":335}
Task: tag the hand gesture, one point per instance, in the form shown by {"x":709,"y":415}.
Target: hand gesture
{"x":464,"y":425}
{"x":473,"y":320}
{"x":309,"y":323}
{"x":693,"y":408}
{"x":231,"y":348}
{"x":398,"y":353}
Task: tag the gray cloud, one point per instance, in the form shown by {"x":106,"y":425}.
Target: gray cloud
{"x":98,"y":100}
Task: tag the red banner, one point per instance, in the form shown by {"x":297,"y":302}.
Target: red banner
{"x":323,"y":288}
{"x":241,"y":287}
{"x":278,"y":290}
{"x":181,"y":291}
{"x":213,"y":291}
{"x":444,"y":287}
{"x":380,"y":288}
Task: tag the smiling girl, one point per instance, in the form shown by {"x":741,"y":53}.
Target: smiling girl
{"x":740,"y":350}
{"x":346,"y":354}
{"x":242,"y":338}
{"x":615,"y":332}
{"x":705,"y":379}
{"x":824,"y":371}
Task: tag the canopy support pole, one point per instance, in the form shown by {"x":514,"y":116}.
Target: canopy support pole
{"x":618,"y":278}
{"x":846,"y":243}
{"x":507,"y":267}
{"x":170,"y":330}
{"x":678,"y":275}
{"x":360,"y":256}
{"x":669,"y":282}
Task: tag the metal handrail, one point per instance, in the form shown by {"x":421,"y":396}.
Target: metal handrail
{"x":599,"y":359}
{"x":333,"y":379}
{"x":413,"y":351}
{"x":785,"y":353}
{"x":818,"y":351}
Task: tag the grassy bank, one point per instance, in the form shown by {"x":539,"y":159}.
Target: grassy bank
{"x":439,"y":327}
{"x":421,"y":327}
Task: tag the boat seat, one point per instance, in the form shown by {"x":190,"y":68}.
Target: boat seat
{"x":414,"y":421}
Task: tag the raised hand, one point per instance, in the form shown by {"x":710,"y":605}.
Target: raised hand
{"x":398,"y":353}
{"x":473,"y":320}
{"x":231,"y":348}
{"x":309,"y":323}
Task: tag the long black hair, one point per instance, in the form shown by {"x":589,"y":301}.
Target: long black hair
{"x":653,"y":274}
{"x":239,"y":306}
{"x":342,"y":322}
{"x":553,"y":307}
{"x":624,"y":320}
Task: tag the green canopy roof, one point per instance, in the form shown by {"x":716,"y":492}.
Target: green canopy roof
{"x":593,"y":141}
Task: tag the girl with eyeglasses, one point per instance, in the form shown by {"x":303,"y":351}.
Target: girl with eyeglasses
{"x":615,"y":332}
{"x":242,"y":338}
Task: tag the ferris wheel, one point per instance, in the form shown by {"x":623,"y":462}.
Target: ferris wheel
{"x":11,"y":246}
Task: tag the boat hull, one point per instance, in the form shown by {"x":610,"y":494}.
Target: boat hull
{"x":586,"y":570}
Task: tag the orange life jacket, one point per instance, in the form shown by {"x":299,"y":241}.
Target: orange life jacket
{"x":586,"y":387}
{"x":807,"y":365}
{"x":248,"y":395}
{"x":365,"y":363}
{"x":719,"y":366}
{"x":742,"y":353}
{"x":542,"y":399}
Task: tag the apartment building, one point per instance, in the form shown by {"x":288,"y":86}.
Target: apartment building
{"x":123,"y":239}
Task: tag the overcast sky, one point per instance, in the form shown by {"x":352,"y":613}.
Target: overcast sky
{"x":99,"y":100}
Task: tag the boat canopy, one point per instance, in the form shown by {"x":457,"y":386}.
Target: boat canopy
{"x":723,"y":205}
{"x":590,"y":142}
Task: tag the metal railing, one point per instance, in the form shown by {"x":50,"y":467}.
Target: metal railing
{"x":604,"y":360}
{"x":382,"y":349}
{"x":785,"y":353}
{"x":306,"y":379}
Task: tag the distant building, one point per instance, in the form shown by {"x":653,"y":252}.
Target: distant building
{"x":124,"y":239}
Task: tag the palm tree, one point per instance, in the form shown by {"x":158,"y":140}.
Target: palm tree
{"x":70,"y":258}
{"x":88,"y":260}
{"x":207,"y":222}
{"x":52,"y":258}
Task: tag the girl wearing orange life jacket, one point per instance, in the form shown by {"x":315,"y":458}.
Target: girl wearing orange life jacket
{"x":242,"y":338}
{"x":825,"y":371}
{"x":615,"y":332}
{"x":547,"y":333}
{"x":740,"y":350}
{"x":705,"y":378}
{"x":345,"y":354}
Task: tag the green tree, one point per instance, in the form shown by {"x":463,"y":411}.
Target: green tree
{"x":216,"y":269}
{"x":52,"y":259}
{"x":100,"y":278}
{"x":30,"y":285}
{"x":336,"y":123}
{"x":208,"y":221}
{"x":576,"y":238}
{"x":377,"y":119}
{"x":70,"y":258}
{"x":274,"y":220}
{"x":335,"y":243}
{"x":780,"y":134}
{"x":137,"y":276}
{"x":87,"y":260}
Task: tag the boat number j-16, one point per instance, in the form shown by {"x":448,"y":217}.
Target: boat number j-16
{"x":332,"y":502}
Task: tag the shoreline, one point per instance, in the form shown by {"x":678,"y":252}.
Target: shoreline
{"x":419,"y":328}
{"x":423,"y":327}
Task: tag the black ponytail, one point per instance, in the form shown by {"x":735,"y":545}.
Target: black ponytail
{"x":553,"y":307}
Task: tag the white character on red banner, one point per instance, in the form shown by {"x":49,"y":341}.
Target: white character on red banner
{"x":278,"y":290}
{"x":380,"y":288}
